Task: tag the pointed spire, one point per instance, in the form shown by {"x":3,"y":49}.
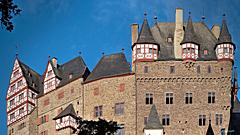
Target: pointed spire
{"x":189,"y":34}
{"x":153,"y":119}
{"x":145,"y":35}
{"x":225,"y":36}
{"x":210,"y":130}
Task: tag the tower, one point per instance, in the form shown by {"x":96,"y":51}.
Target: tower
{"x":145,"y":48}
{"x":225,"y":47}
{"x":190,"y":45}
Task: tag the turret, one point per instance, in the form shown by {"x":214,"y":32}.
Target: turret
{"x":190,"y":44}
{"x":145,"y":48}
{"x":225,"y":47}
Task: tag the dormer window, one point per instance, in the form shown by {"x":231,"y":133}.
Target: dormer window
{"x":169,"y":39}
{"x":70,"y":76}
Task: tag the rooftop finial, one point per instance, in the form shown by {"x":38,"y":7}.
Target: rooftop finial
{"x":189,"y":13}
{"x":49,"y":57}
{"x":145,"y":14}
{"x":103,"y":53}
{"x":80,"y":53}
{"x":224,"y":16}
{"x":155,"y":18}
{"x":122,"y":49}
{"x":16,"y":51}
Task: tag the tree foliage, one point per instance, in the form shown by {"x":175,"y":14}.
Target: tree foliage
{"x":7,"y":11}
{"x":100,"y":127}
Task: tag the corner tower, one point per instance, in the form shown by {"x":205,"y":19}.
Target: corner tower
{"x":145,"y":48}
{"x":225,"y":47}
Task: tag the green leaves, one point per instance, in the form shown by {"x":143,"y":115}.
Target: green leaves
{"x":100,"y":127}
{"x":7,"y":10}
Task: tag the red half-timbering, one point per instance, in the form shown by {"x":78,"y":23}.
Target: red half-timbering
{"x":50,"y":79}
{"x":145,"y":52}
{"x":65,"y":122}
{"x":225,"y":51}
{"x":20,"y":98}
{"x":190,"y":51}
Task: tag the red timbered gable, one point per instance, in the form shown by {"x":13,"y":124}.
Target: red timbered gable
{"x":51,"y":80}
{"x":20,"y":96}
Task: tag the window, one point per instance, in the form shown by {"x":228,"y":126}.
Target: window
{"x":119,"y":108}
{"x":230,"y":50}
{"x":188,"y":98}
{"x":46,"y":102}
{"x":219,"y":119}
{"x":70,"y":76}
{"x":169,"y":39}
{"x":120,"y":131}
{"x":169,"y":98}
{"x":21,"y":96}
{"x":49,"y":73}
{"x":172,"y":69}
{"x":209,"y":69}
{"x":150,"y":50}
{"x":44,"y":132}
{"x":211,"y":97}
{"x":225,"y":50}
{"x":149,"y":98}
{"x":166,"y":120}
{"x":43,"y":119}
{"x":21,"y":110}
{"x":155,"y":51}
{"x":198,"y":69}
{"x":122,"y":87}
{"x":61,"y":95}
{"x":145,"y":120}
{"x":96,"y":91}
{"x":202,"y":120}
{"x":205,"y":52}
{"x":13,"y":87}
{"x":12,"y":116}
{"x":21,"y":126}
{"x":145,"y":69}
{"x":15,"y":73}
{"x":49,"y":84}
{"x":12,"y":102}
{"x":19,"y":83}
{"x":138,"y":50}
{"x":32,"y":95}
{"x":98,"y":111}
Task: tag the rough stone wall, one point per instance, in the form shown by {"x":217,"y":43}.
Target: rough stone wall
{"x":108,"y":94}
{"x":72,"y":94}
{"x":28,"y":129}
{"x":184,"y":117}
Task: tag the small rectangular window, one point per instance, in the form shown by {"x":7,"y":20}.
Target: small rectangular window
{"x":145,"y":69}
{"x":49,"y":73}
{"x":15,"y":73}
{"x":169,"y":98}
{"x":61,"y":95}
{"x":13,"y":87}
{"x":12,"y":102}
{"x":225,"y":50}
{"x":219,"y":119}
{"x":46,"y":102}
{"x":209,"y":69}
{"x":98,"y":111}
{"x":21,"y":110}
{"x":149,"y":98}
{"x":150,"y":50}
{"x":119,"y":108}
{"x":172,"y":69}
{"x":166,"y":120}
{"x":138,"y":50}
{"x":230,"y":50}
{"x":202,"y":120}
{"x":12,"y":116}
{"x":198,"y":69}
{"x":21,"y":96}
{"x":188,"y":98}
{"x":211,"y":97}
{"x":19,"y":83}
{"x":145,"y":120}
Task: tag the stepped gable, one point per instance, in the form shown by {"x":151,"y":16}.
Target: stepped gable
{"x":206,"y":39}
{"x":153,"y":119}
{"x":68,"y":111}
{"x":110,"y":65}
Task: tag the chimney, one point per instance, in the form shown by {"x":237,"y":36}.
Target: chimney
{"x":134,"y":33}
{"x":54,"y":62}
{"x":216,"y":30}
{"x":179,"y":33}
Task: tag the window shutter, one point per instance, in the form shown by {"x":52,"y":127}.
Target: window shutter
{"x":47,"y":117}
{"x":38,"y":121}
{"x":121,"y":87}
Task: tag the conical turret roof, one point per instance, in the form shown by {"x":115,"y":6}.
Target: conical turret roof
{"x":68,"y":111}
{"x":189,"y":34}
{"x":210,"y":130}
{"x":225,"y":36}
{"x":145,"y":35}
{"x":153,"y":119}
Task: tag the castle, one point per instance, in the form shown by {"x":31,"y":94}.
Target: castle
{"x":181,"y":82}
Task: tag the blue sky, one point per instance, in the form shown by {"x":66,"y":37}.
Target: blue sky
{"x":62,"y":28}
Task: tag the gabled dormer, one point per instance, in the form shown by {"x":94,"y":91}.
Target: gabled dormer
{"x":145,"y":48}
{"x":66,"y":118}
{"x":51,"y":76}
{"x":23,"y":88}
{"x":225,"y":47}
{"x":190,"y":44}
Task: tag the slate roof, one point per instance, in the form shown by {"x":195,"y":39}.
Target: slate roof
{"x":236,"y":105}
{"x":210,"y":130}
{"x":161,"y":31}
{"x":153,"y":119}
{"x":145,"y":35}
{"x":110,"y":65}
{"x":68,"y":111}
{"x":189,"y":34}
{"x":225,"y":36}
{"x":32,"y":77}
{"x":235,"y":77}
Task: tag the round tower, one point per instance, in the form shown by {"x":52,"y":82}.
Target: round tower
{"x":225,"y":47}
{"x":190,"y":45}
